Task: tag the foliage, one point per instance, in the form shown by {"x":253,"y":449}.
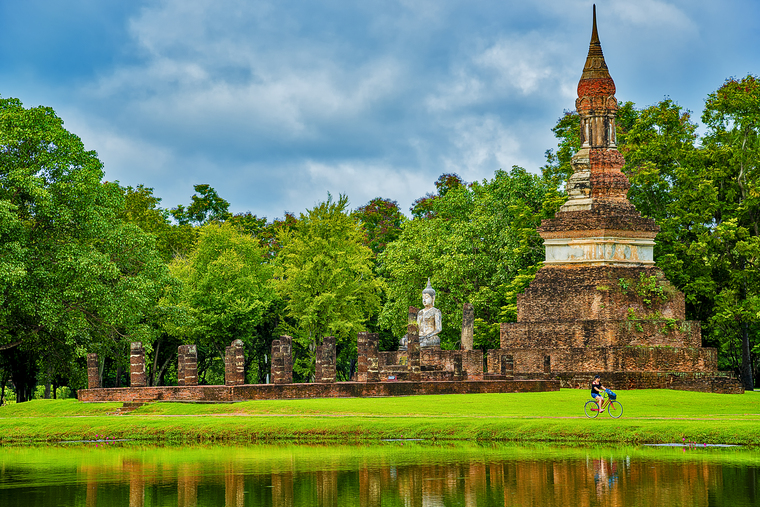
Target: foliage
{"x":381,"y":220}
{"x":324,"y":275}
{"x":74,"y":275}
{"x":472,"y":245}
{"x":424,"y":207}
{"x":206,"y":207}
{"x":225,"y":289}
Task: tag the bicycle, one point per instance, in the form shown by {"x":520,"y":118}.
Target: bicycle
{"x":614,"y":408}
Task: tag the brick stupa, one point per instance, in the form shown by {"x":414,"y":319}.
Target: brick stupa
{"x":599,"y":304}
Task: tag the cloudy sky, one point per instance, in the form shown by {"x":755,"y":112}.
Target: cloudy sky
{"x":276,"y":103}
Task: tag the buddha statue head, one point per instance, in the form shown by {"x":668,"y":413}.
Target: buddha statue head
{"x":428,"y":295}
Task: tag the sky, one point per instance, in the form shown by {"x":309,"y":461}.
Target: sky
{"x":276,"y":103}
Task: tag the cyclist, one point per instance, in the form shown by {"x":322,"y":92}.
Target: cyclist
{"x":596,"y":391}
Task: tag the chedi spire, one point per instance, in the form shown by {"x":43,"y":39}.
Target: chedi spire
{"x":597,"y":177}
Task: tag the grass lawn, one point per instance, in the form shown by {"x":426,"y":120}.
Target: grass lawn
{"x":651,"y":416}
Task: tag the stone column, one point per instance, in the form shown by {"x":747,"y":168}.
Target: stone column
{"x":239,"y":348}
{"x":191,"y":365}
{"x":457,"y":360}
{"x":187,"y":365}
{"x":137,"y":376}
{"x":181,"y":365}
{"x":282,"y":361}
{"x":93,"y":372}
{"x":468,"y":326}
{"x":412,"y":315}
{"x":413,"y":352}
{"x":367,"y":368}
{"x":229,"y":365}
{"x":234,"y":364}
{"x":325,"y":372}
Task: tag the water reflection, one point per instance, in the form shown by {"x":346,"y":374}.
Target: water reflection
{"x":415,"y":475}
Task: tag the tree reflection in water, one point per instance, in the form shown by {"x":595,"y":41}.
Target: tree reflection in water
{"x":359,"y":476}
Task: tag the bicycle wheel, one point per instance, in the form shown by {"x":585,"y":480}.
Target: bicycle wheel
{"x":615,"y":409}
{"x":591,"y":409}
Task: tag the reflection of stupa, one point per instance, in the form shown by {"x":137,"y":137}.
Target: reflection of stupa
{"x":599,"y":303}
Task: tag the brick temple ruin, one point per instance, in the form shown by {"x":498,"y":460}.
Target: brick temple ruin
{"x":415,"y":371}
{"x":599,"y":304}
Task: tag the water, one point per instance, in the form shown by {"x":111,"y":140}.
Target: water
{"x":391,"y":474}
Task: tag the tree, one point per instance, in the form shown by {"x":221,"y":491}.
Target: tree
{"x":381,"y":220}
{"x":424,"y":207}
{"x":473,"y":244}
{"x":324,"y":275}
{"x":225,"y":290}
{"x":206,"y":207}
{"x":75,"y":277}
{"x":731,"y":241}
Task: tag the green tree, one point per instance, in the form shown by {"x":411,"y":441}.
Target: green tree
{"x":381,"y":220}
{"x":225,"y":291}
{"x":325,"y":277}
{"x":207,"y":206}
{"x":75,"y":277}
{"x":730,"y":243}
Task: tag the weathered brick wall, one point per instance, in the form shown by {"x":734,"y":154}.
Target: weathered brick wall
{"x":472,"y":364}
{"x":609,"y":359}
{"x":325,"y":361}
{"x":93,"y":371}
{"x":710,"y":382}
{"x":569,"y":293}
{"x":282,"y":360}
{"x":312,"y":390}
{"x":599,"y":333}
{"x":137,"y":377}
{"x":367,"y":367}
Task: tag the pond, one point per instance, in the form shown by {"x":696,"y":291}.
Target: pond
{"x":392,"y":474}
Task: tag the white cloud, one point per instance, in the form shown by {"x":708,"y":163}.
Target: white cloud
{"x":654,"y":14}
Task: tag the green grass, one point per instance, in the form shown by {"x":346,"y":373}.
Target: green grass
{"x":650,"y":416}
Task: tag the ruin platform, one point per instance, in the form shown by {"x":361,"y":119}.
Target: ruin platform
{"x":247,"y":392}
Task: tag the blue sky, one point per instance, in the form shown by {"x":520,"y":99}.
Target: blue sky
{"x":276,"y":103}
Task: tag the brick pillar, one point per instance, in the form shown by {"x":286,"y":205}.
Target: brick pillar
{"x":282,"y":360}
{"x":507,"y":366}
{"x":181,"y":365}
{"x":367,"y":368}
{"x":472,"y":364}
{"x":412,"y":315}
{"x":137,"y":376}
{"x":326,"y":361}
{"x":468,"y":326}
{"x":191,"y":365}
{"x":229,"y":365}
{"x":457,"y":360}
{"x":239,"y":362}
{"x":234,"y":364}
{"x":93,"y":372}
{"x":413,"y":351}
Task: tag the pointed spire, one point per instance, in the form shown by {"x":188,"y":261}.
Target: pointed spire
{"x":595,"y":68}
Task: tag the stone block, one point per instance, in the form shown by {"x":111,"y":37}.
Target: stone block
{"x":468,"y":326}
{"x":93,"y":371}
{"x":325,"y":361}
{"x":137,"y":377}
